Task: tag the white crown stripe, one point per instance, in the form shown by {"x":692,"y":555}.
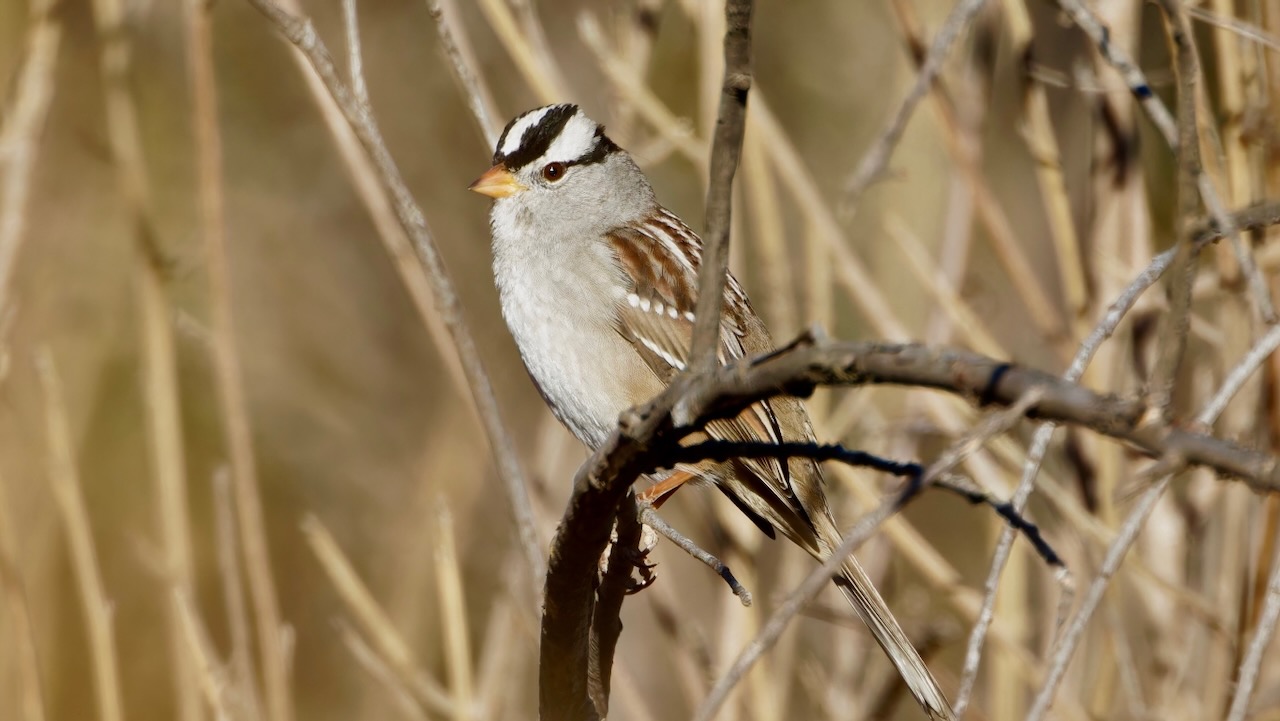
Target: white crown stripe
{"x":576,"y":140}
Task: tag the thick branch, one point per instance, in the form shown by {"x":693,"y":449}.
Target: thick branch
{"x":984,"y":381}
{"x":606,"y":624}
{"x":647,"y":439}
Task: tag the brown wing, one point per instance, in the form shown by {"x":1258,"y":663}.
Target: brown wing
{"x":657,"y":317}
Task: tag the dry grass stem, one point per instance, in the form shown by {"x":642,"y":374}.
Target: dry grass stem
{"x":160,"y":383}
{"x":641,"y":98}
{"x":22,"y":642}
{"x":1024,"y":223}
{"x":64,"y":479}
{"x":1163,"y":472}
{"x":378,"y":669}
{"x":1247,"y":675}
{"x":230,"y":378}
{"x":453,"y":614}
{"x":20,"y":135}
{"x":243,"y":675}
{"x":302,"y":35}
{"x":1065,"y":649}
{"x":215,"y":681}
{"x":385,"y":639}
{"x":947,"y":298}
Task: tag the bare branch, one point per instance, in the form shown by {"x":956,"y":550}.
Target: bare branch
{"x":651,"y":519}
{"x":1116,"y":552}
{"x":606,"y":624}
{"x":813,"y":583}
{"x":726,"y":150}
{"x":1247,"y":677}
{"x":1163,"y":472}
{"x":302,"y":34}
{"x":1088,"y":21}
{"x":876,"y":158}
{"x":465,"y":68}
{"x":355,"y":58}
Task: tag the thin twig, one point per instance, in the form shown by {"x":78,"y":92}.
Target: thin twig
{"x":380,"y":671}
{"x":64,"y":477}
{"x":373,"y":621}
{"x":226,"y":531}
{"x":465,"y":68}
{"x":1246,"y":30}
{"x":301,"y":33}
{"x":726,"y":150}
{"x":453,"y":612}
{"x":1116,"y":552}
{"x":21,"y":631}
{"x":650,"y":518}
{"x":1247,"y":675}
{"x":355,"y":56}
{"x":1239,"y":375}
{"x":20,"y":134}
{"x":159,"y":360}
{"x":227,"y":369}
{"x":1163,"y":471}
{"x":1088,"y":21}
{"x":1205,"y":233}
{"x":993,"y":425}
{"x":1173,"y":336}
{"x":215,"y":681}
{"x":723,"y":451}
{"x":876,"y":158}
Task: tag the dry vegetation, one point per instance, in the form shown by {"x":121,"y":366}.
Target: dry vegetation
{"x":242,"y":474}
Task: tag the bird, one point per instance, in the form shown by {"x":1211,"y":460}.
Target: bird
{"x":597,"y":284}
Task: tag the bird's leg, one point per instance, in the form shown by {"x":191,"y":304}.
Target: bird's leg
{"x":658,"y":493}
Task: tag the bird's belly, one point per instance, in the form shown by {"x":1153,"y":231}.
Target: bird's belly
{"x":585,"y":370}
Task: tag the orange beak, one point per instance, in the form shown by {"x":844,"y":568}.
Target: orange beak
{"x":497,"y":182}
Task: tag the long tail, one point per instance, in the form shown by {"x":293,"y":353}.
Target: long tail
{"x":866,"y":601}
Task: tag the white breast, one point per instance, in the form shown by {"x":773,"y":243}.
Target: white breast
{"x":558,"y":300}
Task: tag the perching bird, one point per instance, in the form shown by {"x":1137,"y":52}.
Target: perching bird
{"x":598,"y":284}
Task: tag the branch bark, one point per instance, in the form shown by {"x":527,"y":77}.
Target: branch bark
{"x":726,"y":150}
{"x":649,"y":436}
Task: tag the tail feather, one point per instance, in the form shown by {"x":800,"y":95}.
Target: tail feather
{"x":873,"y":611}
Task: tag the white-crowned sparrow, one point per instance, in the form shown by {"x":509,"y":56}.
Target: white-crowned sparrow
{"x":598,"y":284}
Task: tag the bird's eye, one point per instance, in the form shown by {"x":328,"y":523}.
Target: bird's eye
{"x":553,"y":171}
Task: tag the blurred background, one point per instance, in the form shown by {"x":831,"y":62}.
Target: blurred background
{"x":1025,"y":193}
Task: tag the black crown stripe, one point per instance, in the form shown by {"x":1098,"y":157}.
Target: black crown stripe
{"x":536,"y":140}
